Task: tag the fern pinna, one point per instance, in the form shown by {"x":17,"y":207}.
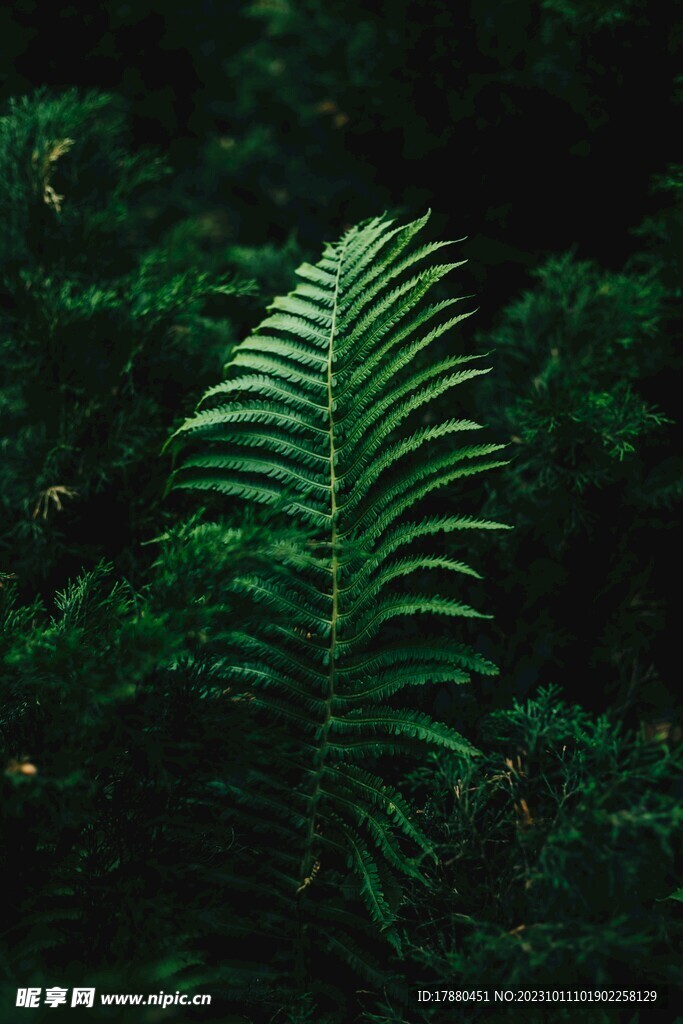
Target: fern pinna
{"x":314,"y":420}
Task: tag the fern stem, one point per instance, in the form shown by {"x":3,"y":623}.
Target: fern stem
{"x":308,"y":855}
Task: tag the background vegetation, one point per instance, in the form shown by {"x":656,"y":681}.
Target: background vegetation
{"x":163,"y":170}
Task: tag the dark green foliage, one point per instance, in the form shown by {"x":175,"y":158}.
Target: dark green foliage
{"x":557,"y":852}
{"x":582,"y":360}
{"x":589,"y":14}
{"x":575,"y":353}
{"x":99,"y":336}
{"x":663,"y":230}
{"x":118,"y":737}
{"x":132,"y":858}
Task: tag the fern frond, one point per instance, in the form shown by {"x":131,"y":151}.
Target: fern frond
{"x":320,"y":418}
{"x":363,"y":864}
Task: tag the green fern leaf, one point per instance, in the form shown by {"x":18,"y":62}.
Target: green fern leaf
{"x":321,"y":419}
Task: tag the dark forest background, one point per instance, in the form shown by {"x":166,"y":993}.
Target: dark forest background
{"x":163,"y":170}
